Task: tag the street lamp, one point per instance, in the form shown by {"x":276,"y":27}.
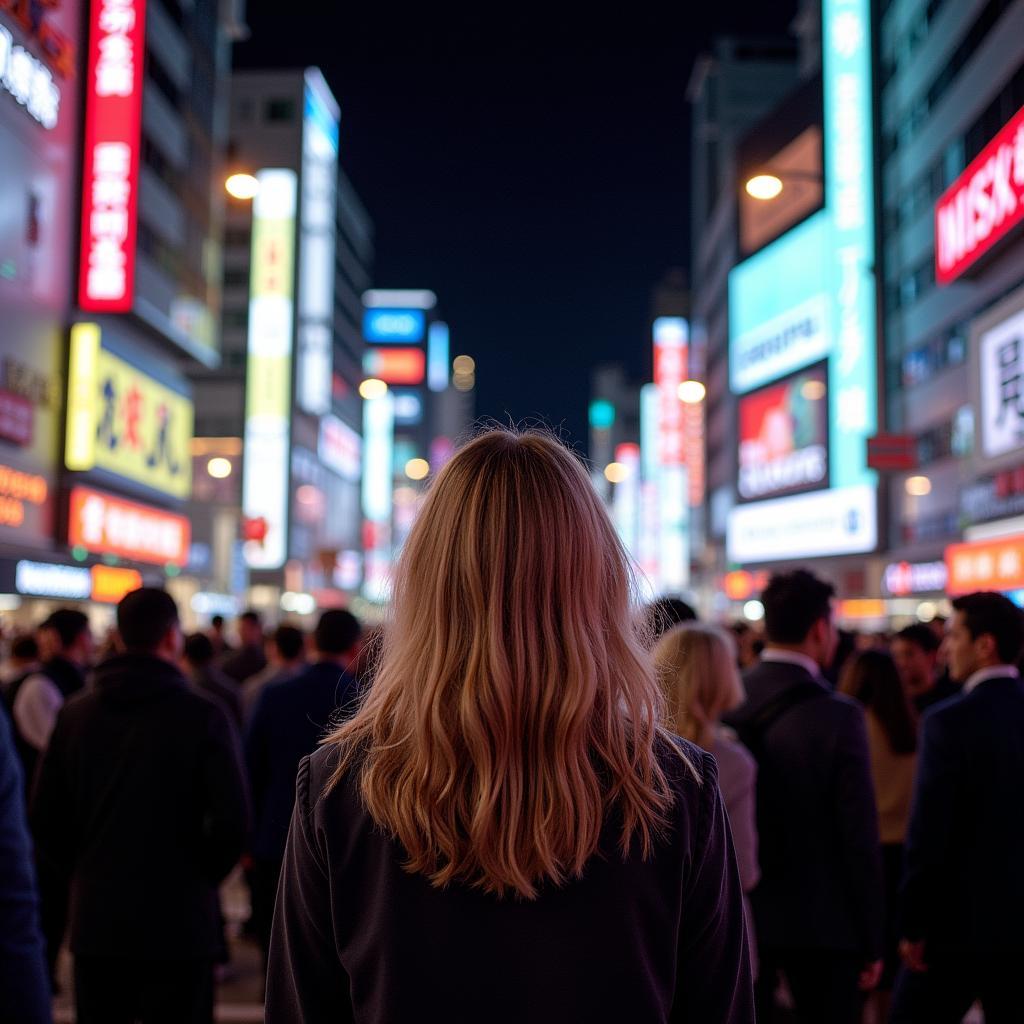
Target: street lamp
{"x":692,"y":392}
{"x":372,"y":388}
{"x":767,"y":184}
{"x":242,"y":185}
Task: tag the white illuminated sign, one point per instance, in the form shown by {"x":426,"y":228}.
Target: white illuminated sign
{"x":29,"y":81}
{"x":835,"y":522}
{"x":785,"y":343}
{"x":341,"y":448}
{"x":1001,"y":372}
{"x":378,"y":437}
{"x":42,"y":579}
{"x":901,"y":578}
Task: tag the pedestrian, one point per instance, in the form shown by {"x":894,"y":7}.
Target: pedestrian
{"x":286,"y":658}
{"x":963,"y":891}
{"x":200,"y":661}
{"x":290,"y":719}
{"x":504,"y":832}
{"x":37,"y":697}
{"x":667,"y":612}
{"x":870,"y":677}
{"x":22,"y":661}
{"x":141,"y":811}
{"x":218,"y":637}
{"x":250,"y":657}
{"x":819,"y":905}
{"x":749,"y":644}
{"x":915,"y":650}
{"x":696,"y":666}
{"x":24,"y":985}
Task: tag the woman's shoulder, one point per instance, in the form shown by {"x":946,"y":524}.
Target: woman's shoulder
{"x":728,"y":749}
{"x":687,"y":767}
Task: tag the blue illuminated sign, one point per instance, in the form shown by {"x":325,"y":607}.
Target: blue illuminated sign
{"x":408,"y":407}
{"x":401,"y":326}
{"x":437,"y":356}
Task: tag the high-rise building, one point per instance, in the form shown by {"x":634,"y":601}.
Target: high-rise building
{"x":298,"y":256}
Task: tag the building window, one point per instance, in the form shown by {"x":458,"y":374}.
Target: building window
{"x":279,"y":110}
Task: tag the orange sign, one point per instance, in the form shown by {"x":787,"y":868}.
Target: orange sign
{"x":112,"y":526}
{"x":15,"y":489}
{"x":986,"y":565}
{"x":110,"y":584}
{"x":396,"y":365}
{"x":740,"y":585}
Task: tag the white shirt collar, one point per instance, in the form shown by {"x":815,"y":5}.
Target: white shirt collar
{"x":992,"y":672}
{"x":792,"y":658}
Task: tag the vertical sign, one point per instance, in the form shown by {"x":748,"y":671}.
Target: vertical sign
{"x":378,"y":491}
{"x":317,"y":234}
{"x":437,"y":356}
{"x":268,"y":380}
{"x":671,"y":338}
{"x":626,"y":502}
{"x":110,"y":162}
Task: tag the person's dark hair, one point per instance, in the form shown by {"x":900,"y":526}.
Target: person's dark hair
{"x":793,"y":602}
{"x":987,"y":612}
{"x":740,"y":628}
{"x":199,"y":650}
{"x":289,"y":641}
{"x":144,"y":616}
{"x":69,"y":624}
{"x":667,"y":612}
{"x":336,"y":632}
{"x":871,"y":677}
{"x":921,"y":636}
{"x":251,"y":615}
{"x":845,"y":646}
{"x":217,"y":622}
{"x":25,"y":648}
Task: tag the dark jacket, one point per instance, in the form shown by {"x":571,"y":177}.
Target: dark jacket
{"x":245,"y":662}
{"x":288,"y":723}
{"x":964,"y":883}
{"x":141,"y":807}
{"x":821,"y":875}
{"x":223,"y":690}
{"x":24,"y":986}
{"x":357,"y":938}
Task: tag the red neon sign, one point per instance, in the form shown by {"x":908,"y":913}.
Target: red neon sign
{"x":110,"y":178}
{"x":670,"y":370}
{"x":109,"y":525}
{"x":983,"y":205}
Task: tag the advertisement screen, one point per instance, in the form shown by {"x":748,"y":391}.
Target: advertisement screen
{"x":784,"y":437}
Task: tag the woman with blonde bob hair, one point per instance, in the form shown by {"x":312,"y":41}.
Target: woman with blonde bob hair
{"x":504,"y":832}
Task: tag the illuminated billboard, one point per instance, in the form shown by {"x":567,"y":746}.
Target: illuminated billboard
{"x":783,"y":437}
{"x":395,"y":365}
{"x":111,"y":148}
{"x":268,"y":381}
{"x":125,"y":421}
{"x":398,"y":326}
{"x":809,"y":297}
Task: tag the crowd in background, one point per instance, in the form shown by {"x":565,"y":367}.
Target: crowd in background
{"x":873,"y":784}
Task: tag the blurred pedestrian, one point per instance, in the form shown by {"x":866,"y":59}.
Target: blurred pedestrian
{"x":667,"y":612}
{"x":22,"y":660}
{"x":963,"y":892}
{"x":749,"y":644}
{"x":37,"y":697}
{"x":24,"y":986}
{"x":286,"y":658}
{"x":819,"y":906}
{"x":289,"y":721}
{"x":503,"y":832}
{"x":218,"y":637}
{"x":200,"y":661}
{"x":915,"y":650}
{"x":141,"y":811}
{"x":697,"y":669}
{"x":870,"y":677}
{"x":250,"y":657}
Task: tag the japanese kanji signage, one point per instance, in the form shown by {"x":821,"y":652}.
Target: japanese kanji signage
{"x":986,"y":565}
{"x":110,"y":164}
{"x":107,"y":525}
{"x":124,"y":421}
{"x":997,"y":347}
{"x":983,"y":205}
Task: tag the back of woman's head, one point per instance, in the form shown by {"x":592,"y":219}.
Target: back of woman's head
{"x":513,"y":709}
{"x":696,"y":666}
{"x":871,"y":677}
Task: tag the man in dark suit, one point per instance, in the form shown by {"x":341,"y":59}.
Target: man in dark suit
{"x":963,"y":891}
{"x":818,"y":907}
{"x":289,"y":721}
{"x":140,"y":810}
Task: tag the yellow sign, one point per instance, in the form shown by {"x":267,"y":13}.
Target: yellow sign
{"x":122,"y":420}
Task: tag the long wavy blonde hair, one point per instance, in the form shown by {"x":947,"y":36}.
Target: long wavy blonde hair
{"x":514,"y":707}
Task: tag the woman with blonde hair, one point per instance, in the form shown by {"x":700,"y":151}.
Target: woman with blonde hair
{"x":696,"y":665}
{"x":503,"y":832}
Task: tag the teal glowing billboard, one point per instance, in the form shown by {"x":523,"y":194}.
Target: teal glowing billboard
{"x":810,"y":296}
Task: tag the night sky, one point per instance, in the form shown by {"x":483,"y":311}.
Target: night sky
{"x":532,"y":171}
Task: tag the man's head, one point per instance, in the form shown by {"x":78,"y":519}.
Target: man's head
{"x":217,"y":624}
{"x":24,"y":650}
{"x":667,"y":612}
{"x":916,"y":653}
{"x":337,"y":636}
{"x":986,"y":629}
{"x":70,"y":635}
{"x":199,"y":650}
{"x":798,"y":615}
{"x":250,"y":629}
{"x":288,"y":644}
{"x":147,"y":620}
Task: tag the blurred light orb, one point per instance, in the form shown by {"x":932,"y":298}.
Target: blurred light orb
{"x":754,"y":611}
{"x":692,"y":392}
{"x":417,"y":469}
{"x":242,"y":186}
{"x":616,"y":472}
{"x":219,"y":468}
{"x":464,"y":364}
{"x":918,"y":486}
{"x":372,"y":388}
{"x":764,"y":186}
{"x":926,"y":611}
{"x":813,"y":390}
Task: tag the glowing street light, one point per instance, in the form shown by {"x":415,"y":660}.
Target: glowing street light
{"x":417,"y":469}
{"x":616,"y":472}
{"x":692,"y":392}
{"x":242,"y":185}
{"x":918,"y":486}
{"x":813,"y":390}
{"x":764,"y":186}
{"x":373,"y":388}
{"x":219,"y":468}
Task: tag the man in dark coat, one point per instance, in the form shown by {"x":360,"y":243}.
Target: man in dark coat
{"x":289,"y":720}
{"x":818,"y":907}
{"x":140,"y":809}
{"x":963,"y":891}
{"x":251,"y":656}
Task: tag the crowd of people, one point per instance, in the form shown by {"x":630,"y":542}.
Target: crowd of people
{"x":520,"y":801}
